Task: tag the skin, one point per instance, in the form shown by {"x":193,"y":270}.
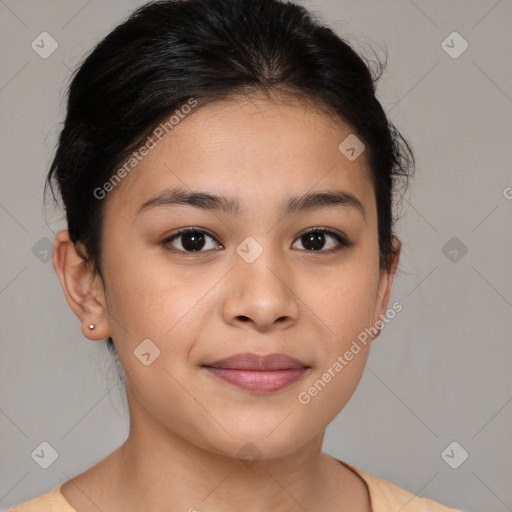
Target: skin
{"x":187,"y":426}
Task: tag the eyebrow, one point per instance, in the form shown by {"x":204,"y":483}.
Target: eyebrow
{"x":210,"y":202}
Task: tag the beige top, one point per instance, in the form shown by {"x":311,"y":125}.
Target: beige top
{"x":384,"y":497}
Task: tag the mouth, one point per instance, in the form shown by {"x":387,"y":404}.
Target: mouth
{"x":258,"y":373}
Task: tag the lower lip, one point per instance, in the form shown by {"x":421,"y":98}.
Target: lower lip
{"x":271,"y":380}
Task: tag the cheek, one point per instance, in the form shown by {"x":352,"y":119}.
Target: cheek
{"x":344,"y":300}
{"x":162,"y":398}
{"x":151,"y":301}
{"x":322,"y":397}
{"x":166,"y":307}
{"x":343,"y":346}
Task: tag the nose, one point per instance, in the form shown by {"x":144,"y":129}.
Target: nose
{"x":260,"y":295}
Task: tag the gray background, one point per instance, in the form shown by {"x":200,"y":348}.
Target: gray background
{"x":441,"y":370}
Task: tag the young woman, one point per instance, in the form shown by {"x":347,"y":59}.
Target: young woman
{"x":228,"y":177}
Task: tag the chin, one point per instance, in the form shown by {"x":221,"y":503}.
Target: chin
{"x":252,"y":444}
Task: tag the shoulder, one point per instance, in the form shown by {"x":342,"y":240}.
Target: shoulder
{"x":52,"y":501}
{"x":386,"y":496}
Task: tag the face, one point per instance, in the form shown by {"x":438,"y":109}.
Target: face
{"x":252,"y":276}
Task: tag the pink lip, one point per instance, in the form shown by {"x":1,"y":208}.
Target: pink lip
{"x":258,"y":373}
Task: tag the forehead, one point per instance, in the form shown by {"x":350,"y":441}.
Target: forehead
{"x":251,"y":147}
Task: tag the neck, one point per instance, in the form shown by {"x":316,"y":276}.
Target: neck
{"x":157,"y":470}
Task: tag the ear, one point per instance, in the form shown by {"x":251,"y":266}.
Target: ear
{"x":385,"y":282}
{"x":82,"y":288}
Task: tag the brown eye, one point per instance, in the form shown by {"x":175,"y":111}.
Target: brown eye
{"x":190,"y":240}
{"x":315,"y":239}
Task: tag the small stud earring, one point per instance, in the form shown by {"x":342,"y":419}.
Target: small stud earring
{"x":91,"y":326}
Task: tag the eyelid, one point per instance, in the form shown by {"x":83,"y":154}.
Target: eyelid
{"x":190,"y":229}
{"x":341,"y":238}
{"x":323,"y":229}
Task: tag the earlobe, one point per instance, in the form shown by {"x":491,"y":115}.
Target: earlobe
{"x":386,"y":281}
{"x":81,"y":287}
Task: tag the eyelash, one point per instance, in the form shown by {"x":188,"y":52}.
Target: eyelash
{"x":342,"y":240}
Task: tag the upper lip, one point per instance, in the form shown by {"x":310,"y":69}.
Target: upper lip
{"x":255,"y":362}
